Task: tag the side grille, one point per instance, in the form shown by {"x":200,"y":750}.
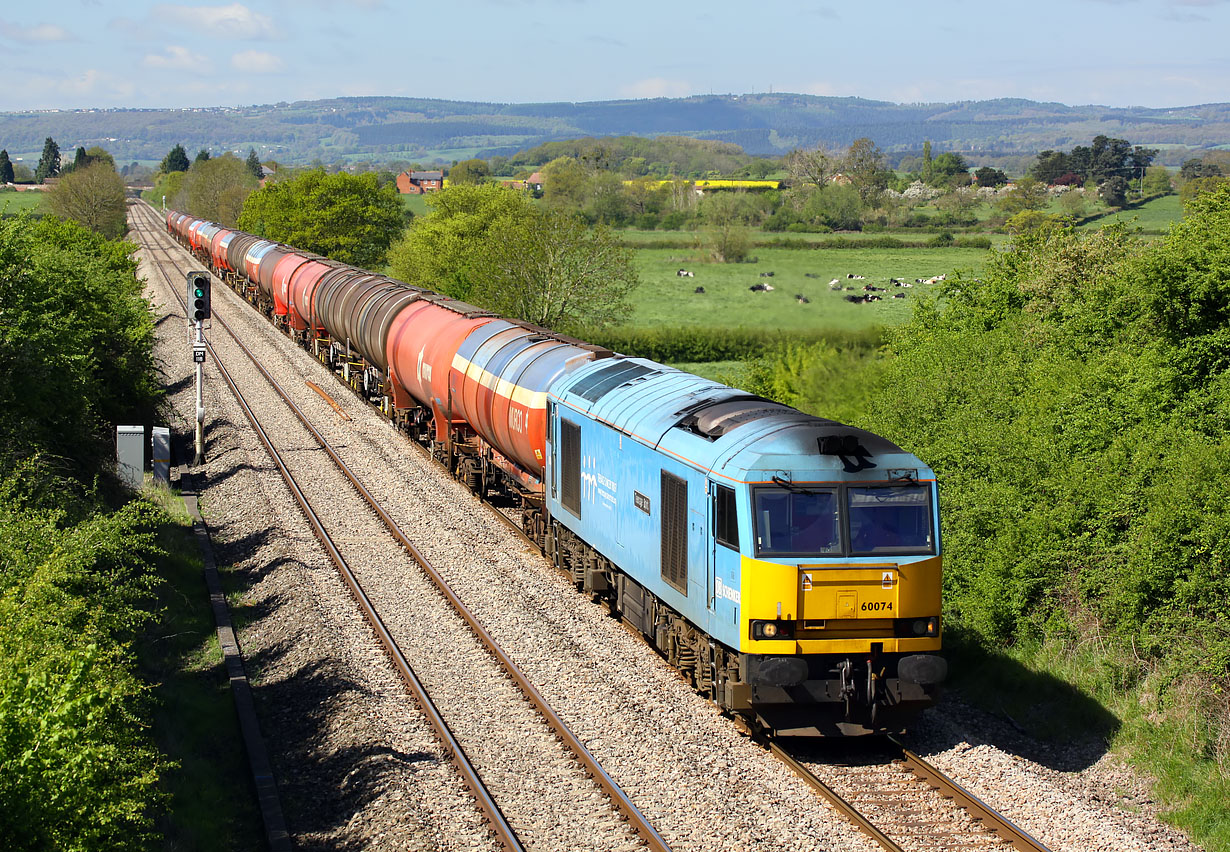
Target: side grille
{"x":675,"y":531}
{"x":570,"y":466}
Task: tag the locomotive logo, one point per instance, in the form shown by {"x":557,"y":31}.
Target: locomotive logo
{"x":594,"y":485}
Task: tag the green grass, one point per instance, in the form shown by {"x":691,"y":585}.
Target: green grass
{"x":416,"y":204}
{"x":1152,"y":217}
{"x":663,"y":299}
{"x":213,"y":802}
{"x":1058,"y":692}
{"x":13,"y":203}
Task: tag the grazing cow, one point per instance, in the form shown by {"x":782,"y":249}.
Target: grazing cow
{"x":801,"y":299}
{"x":871,"y":289}
{"x":898,"y":295}
{"x":854,"y":277}
{"x":683,"y":273}
{"x":835,"y":284}
{"x":699,"y":290}
{"x":858,"y":300}
{"x":758,"y":288}
{"x":766,"y":275}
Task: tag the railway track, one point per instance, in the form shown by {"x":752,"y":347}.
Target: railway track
{"x":904,"y":803}
{"x":155,"y":241}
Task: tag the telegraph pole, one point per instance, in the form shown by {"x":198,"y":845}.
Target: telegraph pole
{"x":198,"y":312}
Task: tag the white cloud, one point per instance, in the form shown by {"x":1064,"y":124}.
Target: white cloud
{"x":36,"y":33}
{"x":256,"y":62}
{"x":235,"y":21}
{"x":656,"y":87}
{"x":177,"y":58}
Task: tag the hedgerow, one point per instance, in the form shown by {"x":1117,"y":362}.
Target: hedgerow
{"x":77,"y":767}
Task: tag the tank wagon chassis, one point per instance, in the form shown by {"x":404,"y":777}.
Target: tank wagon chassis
{"x":386,"y":335}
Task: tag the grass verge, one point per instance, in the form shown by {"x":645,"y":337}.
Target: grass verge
{"x":1052,"y":688}
{"x":212,"y":799}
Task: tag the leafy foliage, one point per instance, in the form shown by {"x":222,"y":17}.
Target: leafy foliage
{"x":77,"y":770}
{"x":6,"y":168}
{"x":440,"y":251}
{"x":49,"y":162}
{"x":176,"y":160}
{"x":553,"y":270}
{"x":92,"y":195}
{"x":75,"y":341}
{"x":216,"y":188}
{"x":350,"y":218}
{"x":1073,"y":401}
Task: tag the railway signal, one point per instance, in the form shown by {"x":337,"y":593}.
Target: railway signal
{"x":198,"y":296}
{"x":198,"y":312}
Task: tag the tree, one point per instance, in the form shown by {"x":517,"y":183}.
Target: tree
{"x":80,"y":161}
{"x":1157,"y":181}
{"x":565,"y":183}
{"x":469,"y":171}
{"x":864,"y":165}
{"x":1114,"y":191}
{"x":351,"y":218}
{"x":725,"y":217}
{"x":551,"y":269}
{"x":49,"y":162}
{"x":176,"y":160}
{"x":987,"y":176}
{"x":1026,"y":194}
{"x":202,"y":156}
{"x":946,"y":167}
{"x":6,"y":167}
{"x":438,"y":250}
{"x":815,"y":165}
{"x":93,"y":196}
{"x":1051,"y":165}
{"x":254,"y":164}
{"x":215,"y":188}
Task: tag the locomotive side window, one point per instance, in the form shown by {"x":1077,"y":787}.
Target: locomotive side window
{"x":725,"y":519}
{"x":892,"y":519}
{"x":570,"y":465}
{"x":802,"y":522}
{"x":675,"y":531}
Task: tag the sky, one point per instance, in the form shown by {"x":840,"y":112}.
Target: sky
{"x":94,"y":53}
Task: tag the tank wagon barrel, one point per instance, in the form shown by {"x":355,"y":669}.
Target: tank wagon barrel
{"x":787,"y":565}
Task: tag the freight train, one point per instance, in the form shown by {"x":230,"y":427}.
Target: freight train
{"x":788,"y":566}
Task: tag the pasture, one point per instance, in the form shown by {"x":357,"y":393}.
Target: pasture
{"x":665,"y":299}
{"x":13,"y":203}
{"x":1153,"y":217}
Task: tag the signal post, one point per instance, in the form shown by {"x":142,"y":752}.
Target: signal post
{"x":198,"y":312}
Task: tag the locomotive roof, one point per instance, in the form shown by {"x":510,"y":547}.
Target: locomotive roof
{"x":724,"y":430}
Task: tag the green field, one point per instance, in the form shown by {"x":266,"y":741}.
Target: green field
{"x":12,"y":203}
{"x":1152,"y":217}
{"x":664,"y":299}
{"x":416,"y":204}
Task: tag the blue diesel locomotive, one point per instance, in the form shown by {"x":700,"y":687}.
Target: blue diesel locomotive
{"x":788,"y":565}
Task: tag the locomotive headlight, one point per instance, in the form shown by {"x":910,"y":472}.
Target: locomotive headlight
{"x":772,"y":630}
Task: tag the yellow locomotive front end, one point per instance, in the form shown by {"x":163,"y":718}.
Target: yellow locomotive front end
{"x":841,"y":616}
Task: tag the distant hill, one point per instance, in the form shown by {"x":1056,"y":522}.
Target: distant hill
{"x":384,"y":128}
